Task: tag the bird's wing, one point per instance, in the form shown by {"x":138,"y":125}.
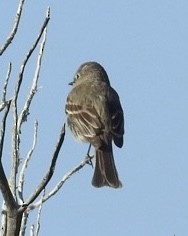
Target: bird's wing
{"x":117,"y":117}
{"x":84,"y":118}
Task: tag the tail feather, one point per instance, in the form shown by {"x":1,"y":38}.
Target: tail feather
{"x":105,"y":173}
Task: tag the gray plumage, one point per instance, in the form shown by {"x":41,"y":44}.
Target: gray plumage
{"x":95,"y":115}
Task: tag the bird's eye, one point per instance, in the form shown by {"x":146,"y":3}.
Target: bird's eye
{"x":77,"y":76}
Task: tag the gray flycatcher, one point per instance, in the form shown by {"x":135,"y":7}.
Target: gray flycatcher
{"x":95,"y":115}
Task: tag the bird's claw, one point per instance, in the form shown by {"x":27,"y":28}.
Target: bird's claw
{"x":89,"y":160}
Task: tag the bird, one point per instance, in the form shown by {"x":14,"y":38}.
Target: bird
{"x":95,"y":115}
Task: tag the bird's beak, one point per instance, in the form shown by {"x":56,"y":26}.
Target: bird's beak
{"x":71,"y":83}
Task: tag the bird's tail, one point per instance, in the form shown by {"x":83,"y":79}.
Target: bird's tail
{"x":105,"y":173}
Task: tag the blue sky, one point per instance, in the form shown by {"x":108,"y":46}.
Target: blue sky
{"x":143,"y":45}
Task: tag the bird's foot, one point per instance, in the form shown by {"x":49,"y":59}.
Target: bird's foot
{"x":89,"y":160}
{"x":89,"y":157}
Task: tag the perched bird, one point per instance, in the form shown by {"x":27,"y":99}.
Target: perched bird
{"x":95,"y":115}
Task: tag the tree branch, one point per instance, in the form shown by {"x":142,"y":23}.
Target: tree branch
{"x":33,"y":90}
{"x":61,"y":182}
{"x":3,"y":128}
{"x":14,"y":29}
{"x":25,"y":164}
{"x":16,"y":127}
{"x":32,"y":232}
{"x":51,"y":170}
{"x":39,"y":215}
{"x":4,"y":186}
{"x":3,"y":99}
{"x":24,"y":223}
{"x":3,"y":220}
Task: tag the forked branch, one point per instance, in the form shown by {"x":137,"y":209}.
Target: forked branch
{"x":51,"y":170}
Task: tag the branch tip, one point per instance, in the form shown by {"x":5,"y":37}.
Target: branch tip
{"x":48,"y":13}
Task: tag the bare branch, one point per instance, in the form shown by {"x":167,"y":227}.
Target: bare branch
{"x":3,"y":128}
{"x":33,"y":90}
{"x":3,"y":219}
{"x":61,"y":182}
{"x":14,"y":29}
{"x":16,"y":131}
{"x":4,"y":186}
{"x":67,"y":176}
{"x":25,"y":164}
{"x":39,"y":215}
{"x":3,"y":99}
{"x":51,"y":170}
{"x":32,"y":230}
{"x":45,"y":23}
{"x":24,"y":223}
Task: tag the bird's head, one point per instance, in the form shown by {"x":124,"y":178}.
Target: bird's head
{"x":90,"y":71}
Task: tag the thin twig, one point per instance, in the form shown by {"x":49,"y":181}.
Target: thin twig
{"x":67,"y":176}
{"x":25,"y":164}
{"x":51,"y":170}
{"x":39,"y":215}
{"x":14,"y":29}
{"x":32,"y":228}
{"x":24,"y":223}
{"x":44,"y":25}
{"x":4,"y":186}
{"x":61,"y":182}
{"x":3,"y":99}
{"x":33,"y":90}
{"x":16,"y":131}
{"x":3,"y":128}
